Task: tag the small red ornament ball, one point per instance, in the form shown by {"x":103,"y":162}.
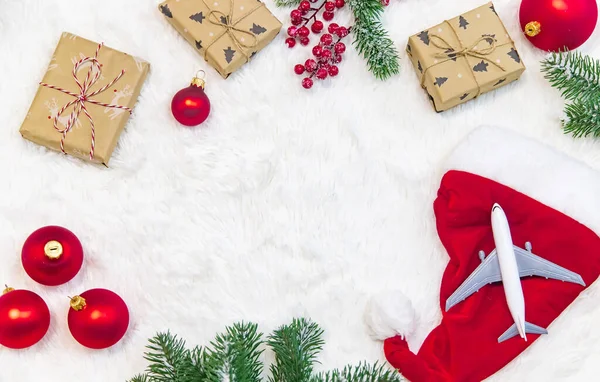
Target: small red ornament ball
{"x":191,"y":106}
{"x":327,"y":16}
{"x":52,"y":255}
{"x":558,"y":24}
{"x":24,"y":318}
{"x":98,"y":318}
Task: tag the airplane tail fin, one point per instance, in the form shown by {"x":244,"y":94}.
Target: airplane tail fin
{"x":529,"y":328}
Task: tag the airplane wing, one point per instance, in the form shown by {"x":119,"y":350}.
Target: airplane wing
{"x":486,"y":273}
{"x":533,"y":265}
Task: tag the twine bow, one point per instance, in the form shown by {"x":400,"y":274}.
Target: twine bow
{"x":217,"y":17}
{"x":84,"y":96}
{"x":451,"y":53}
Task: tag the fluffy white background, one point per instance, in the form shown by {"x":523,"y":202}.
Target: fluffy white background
{"x":284,"y":203}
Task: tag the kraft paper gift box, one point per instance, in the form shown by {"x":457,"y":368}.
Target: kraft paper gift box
{"x":226,"y":33}
{"x":61,"y":114}
{"x":464,"y":57}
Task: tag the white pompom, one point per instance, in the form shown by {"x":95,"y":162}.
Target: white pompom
{"x":390,"y":314}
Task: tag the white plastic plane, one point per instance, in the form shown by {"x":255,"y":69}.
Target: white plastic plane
{"x":508,"y":263}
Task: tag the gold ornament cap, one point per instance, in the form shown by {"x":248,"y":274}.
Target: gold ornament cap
{"x":7,"y":289}
{"x":199,"y":81}
{"x":533,"y":28}
{"x":78,"y":303}
{"x":53,"y":250}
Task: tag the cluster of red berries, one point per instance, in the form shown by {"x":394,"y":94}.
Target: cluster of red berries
{"x":327,"y":54}
{"x":300,"y":19}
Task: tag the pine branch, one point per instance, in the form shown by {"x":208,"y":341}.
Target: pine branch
{"x":296,"y":347}
{"x":287,"y":3}
{"x":166,"y":354}
{"x":582,"y":118}
{"x":235,"y":355}
{"x":372,"y":42}
{"x":371,"y":39}
{"x":140,"y":378}
{"x":361,"y":373}
{"x":577,"y":76}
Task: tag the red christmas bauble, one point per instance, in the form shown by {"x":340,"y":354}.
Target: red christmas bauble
{"x":52,"y":255}
{"x":558,"y":24}
{"x":190,"y":106}
{"x":98,"y":318}
{"x":24,"y":318}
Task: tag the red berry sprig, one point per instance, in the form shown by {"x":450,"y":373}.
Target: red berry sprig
{"x":327,"y":54}
{"x":300,"y":18}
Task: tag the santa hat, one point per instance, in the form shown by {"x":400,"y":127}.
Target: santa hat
{"x":550,"y":200}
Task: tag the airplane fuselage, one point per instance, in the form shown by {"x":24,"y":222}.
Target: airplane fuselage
{"x":508,"y":268}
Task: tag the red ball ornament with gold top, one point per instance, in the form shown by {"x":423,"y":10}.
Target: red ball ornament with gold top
{"x":24,"y":318}
{"x":191,"y":106}
{"x":52,"y":255}
{"x":555,"y":25}
{"x":98,"y":318}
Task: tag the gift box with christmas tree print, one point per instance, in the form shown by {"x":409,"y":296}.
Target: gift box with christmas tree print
{"x":85,"y":99}
{"x":226,"y":33}
{"x":464,"y":57}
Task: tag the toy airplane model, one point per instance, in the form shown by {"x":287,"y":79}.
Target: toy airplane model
{"x":508,"y":263}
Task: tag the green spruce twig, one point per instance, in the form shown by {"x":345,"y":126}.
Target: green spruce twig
{"x":235,"y":355}
{"x":287,"y":3}
{"x":582,"y":119}
{"x":578,"y":78}
{"x":372,"y":40}
{"x":170,"y":361}
{"x":361,"y":373}
{"x":296,"y":347}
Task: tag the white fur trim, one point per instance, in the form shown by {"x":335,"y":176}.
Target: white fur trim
{"x":389,"y":314}
{"x":532,"y":168}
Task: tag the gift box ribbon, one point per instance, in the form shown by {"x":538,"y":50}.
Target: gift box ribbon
{"x":230,"y":26}
{"x":450,"y":52}
{"x":83,"y":96}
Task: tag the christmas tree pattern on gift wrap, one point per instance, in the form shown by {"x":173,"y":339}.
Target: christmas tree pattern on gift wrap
{"x":493,"y":9}
{"x":257,"y":29}
{"x":419,"y":66}
{"x":450,"y":54}
{"x":229,"y":53}
{"x":198,"y":44}
{"x":489,"y":38}
{"x":514,"y":55}
{"x":424,"y":36}
{"x":500,"y":81}
{"x":462,"y":22}
{"x":439,"y":81}
{"x":166,"y":11}
{"x":462,"y":97}
{"x":225,"y":20}
{"x":198,"y":17}
{"x":481,"y":67}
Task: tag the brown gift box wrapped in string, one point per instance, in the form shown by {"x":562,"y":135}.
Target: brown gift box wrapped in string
{"x":464,"y":57}
{"x":227,"y":33}
{"x":84,"y":99}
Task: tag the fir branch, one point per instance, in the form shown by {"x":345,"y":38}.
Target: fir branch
{"x":140,"y":378}
{"x":372,"y":42}
{"x":371,"y":39}
{"x":235,"y":355}
{"x":361,"y":373}
{"x":287,"y":3}
{"x":167,"y":355}
{"x":296,"y":347}
{"x":577,"y":76}
{"x":582,"y":118}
